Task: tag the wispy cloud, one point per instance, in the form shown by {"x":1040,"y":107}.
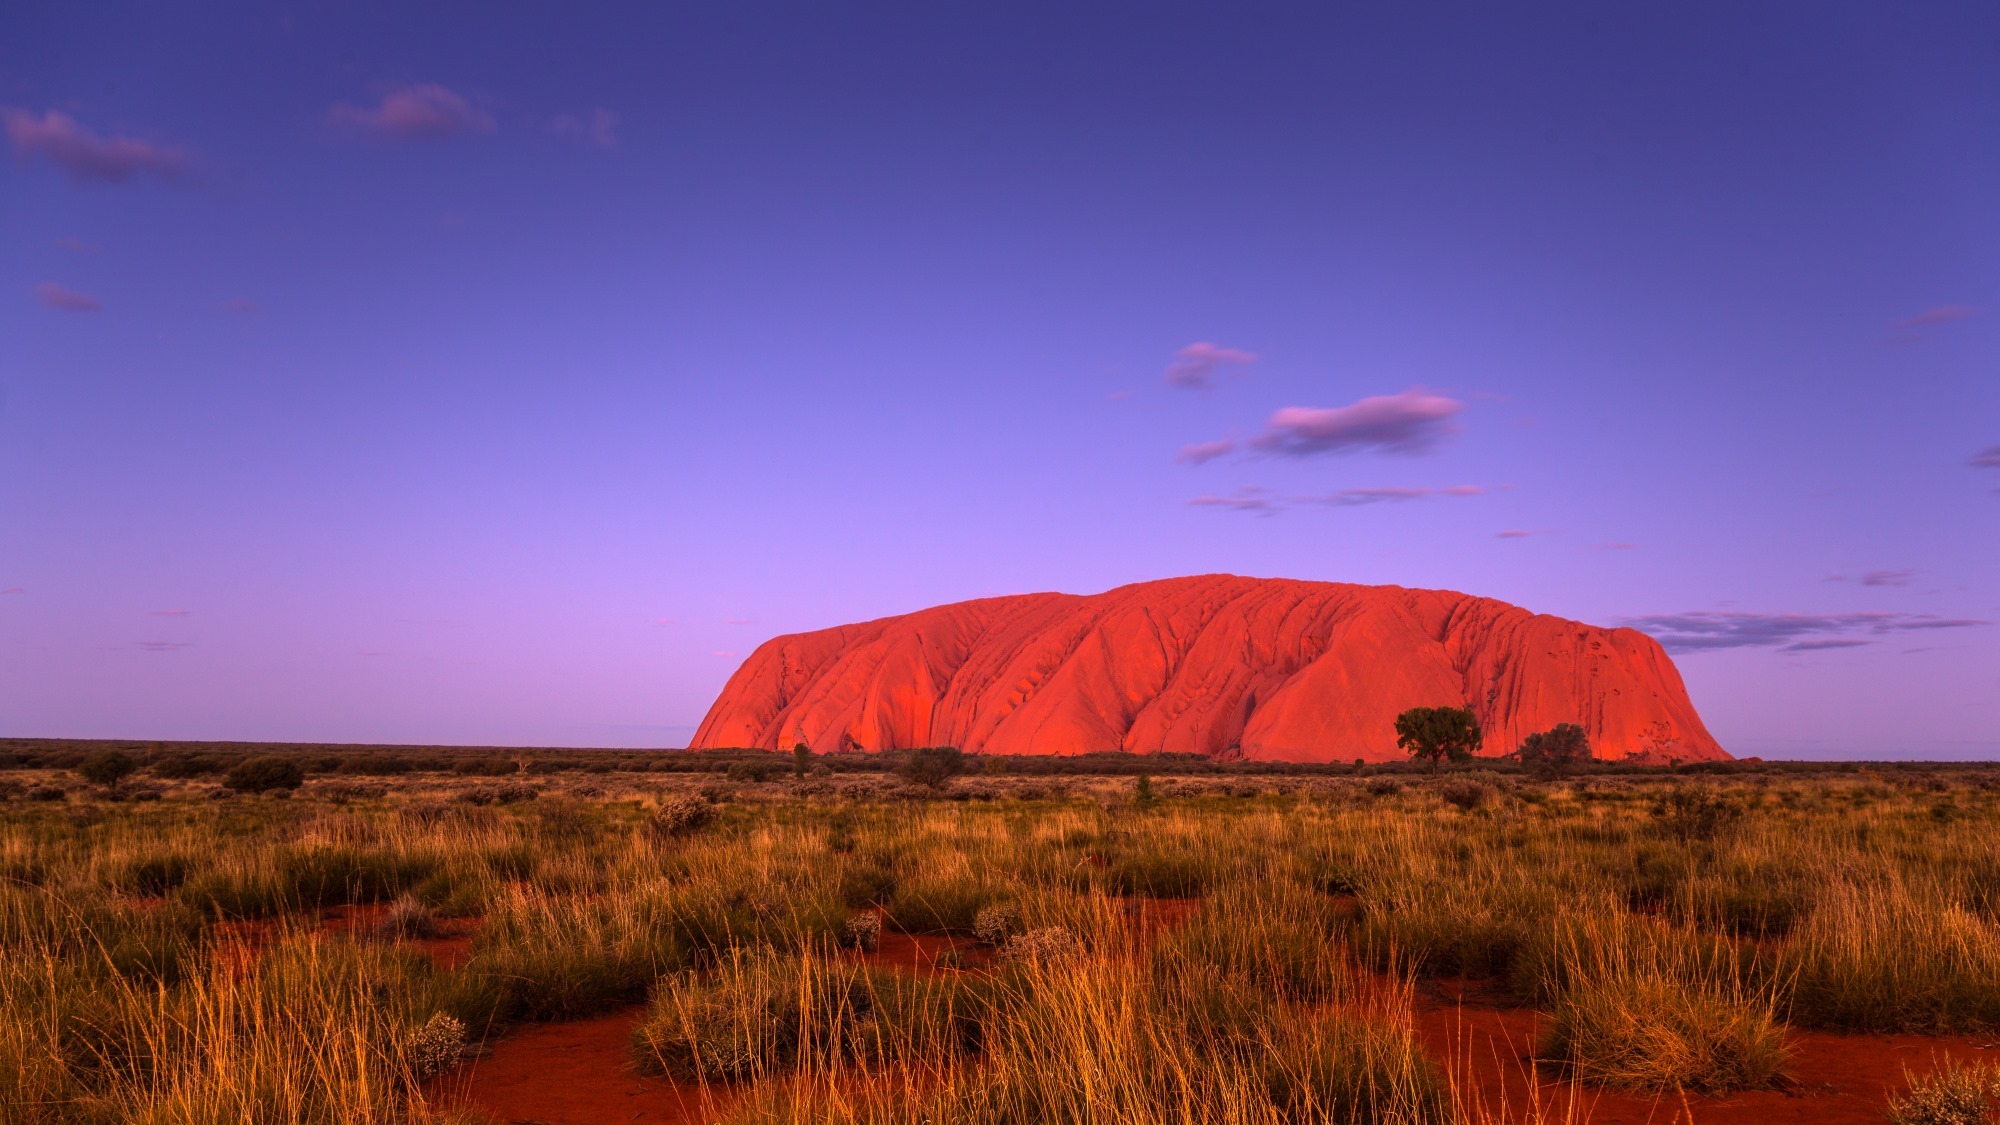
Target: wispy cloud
{"x":422,"y":112}
{"x":597,"y":129}
{"x":1704,"y":631}
{"x":1264,"y":502}
{"x":78,"y":245}
{"x":1988,"y":458}
{"x":14,"y":590}
{"x":739,"y":621}
{"x":64,"y":142}
{"x":56,"y":295}
{"x":1617,"y":545}
{"x":1943,"y":314}
{"x":171,"y":613}
{"x":240,"y":306}
{"x":1512,"y":533}
{"x":165,"y":646}
{"x":1242,"y":500}
{"x":1889,"y":577}
{"x":1410,"y":422}
{"x":1204,"y":452}
{"x":1196,"y":366}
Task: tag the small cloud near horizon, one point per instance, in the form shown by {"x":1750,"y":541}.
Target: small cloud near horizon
{"x":56,"y":295}
{"x":78,"y":246}
{"x":171,"y":613}
{"x":66,"y":143}
{"x":1617,"y":545}
{"x":1889,"y":577}
{"x":1943,"y":314}
{"x":1709,"y":631}
{"x":739,"y":621}
{"x":597,"y":129}
{"x":1988,"y":458}
{"x":14,"y":590}
{"x":240,"y":306}
{"x":165,"y":646}
{"x":1512,"y":533}
{"x":420,"y":112}
{"x":1195,"y":366}
{"x":1262,"y":502}
{"x":727,"y":655}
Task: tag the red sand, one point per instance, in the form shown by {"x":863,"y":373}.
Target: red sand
{"x":1835,"y":1079}
{"x":581,"y":1073}
{"x":577,"y":1073}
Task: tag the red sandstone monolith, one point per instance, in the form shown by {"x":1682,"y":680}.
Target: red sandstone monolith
{"x":1260,"y":668}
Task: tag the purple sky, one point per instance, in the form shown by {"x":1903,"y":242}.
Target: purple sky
{"x":503,"y":375}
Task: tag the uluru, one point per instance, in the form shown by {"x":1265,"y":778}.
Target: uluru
{"x":1219,"y":665}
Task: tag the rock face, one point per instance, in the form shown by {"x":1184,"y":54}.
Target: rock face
{"x":1219,"y":665}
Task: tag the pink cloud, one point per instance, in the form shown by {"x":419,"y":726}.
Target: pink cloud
{"x":1512,"y":533}
{"x":78,"y":246}
{"x":1198,"y":363}
{"x":58,"y":296}
{"x":739,"y":621}
{"x":598,"y":128}
{"x":171,"y":613}
{"x":1617,"y":546}
{"x":424,"y":112}
{"x":1988,"y":458}
{"x":63,"y":141}
{"x":1205,"y":451}
{"x":1943,"y":314}
{"x":1245,"y":500}
{"x":240,"y":306}
{"x":165,"y":646}
{"x":1410,"y":422}
{"x":13,"y":590}
{"x":1889,"y":577}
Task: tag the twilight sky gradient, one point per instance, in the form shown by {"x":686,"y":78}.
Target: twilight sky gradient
{"x":504,"y":374}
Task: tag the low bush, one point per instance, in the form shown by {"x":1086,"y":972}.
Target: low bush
{"x":107,"y":767}
{"x":1952,"y":1094}
{"x":258,"y":775}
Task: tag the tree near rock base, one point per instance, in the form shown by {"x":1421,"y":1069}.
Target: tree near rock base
{"x":1436,"y":734}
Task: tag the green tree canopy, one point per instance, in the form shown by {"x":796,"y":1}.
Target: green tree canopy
{"x":1555,"y":751}
{"x":1436,"y":734}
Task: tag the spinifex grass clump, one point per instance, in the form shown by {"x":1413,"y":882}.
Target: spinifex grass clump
{"x":1647,"y":1008}
{"x":1953,"y":1094}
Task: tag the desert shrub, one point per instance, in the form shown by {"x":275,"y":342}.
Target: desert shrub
{"x":1952,"y":1094}
{"x":864,"y":931}
{"x":107,"y":767}
{"x":257,"y":775}
{"x":1695,"y":813}
{"x":932,"y":766}
{"x":680,"y":814}
{"x":994,"y":924}
{"x":755,"y":1014}
{"x":1043,"y":945}
{"x":755,"y":770}
{"x":1384,"y":786}
{"x":1465,"y":794}
{"x":436,"y":1046}
{"x":182,"y":766}
{"x":46,"y":793}
{"x":235,"y":894}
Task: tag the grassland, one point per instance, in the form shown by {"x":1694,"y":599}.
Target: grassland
{"x":1228,"y":949}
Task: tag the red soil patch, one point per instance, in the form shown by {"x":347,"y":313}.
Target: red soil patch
{"x":1835,"y":1079}
{"x":238,"y":943}
{"x":576,"y":1073}
{"x":918,"y":953}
